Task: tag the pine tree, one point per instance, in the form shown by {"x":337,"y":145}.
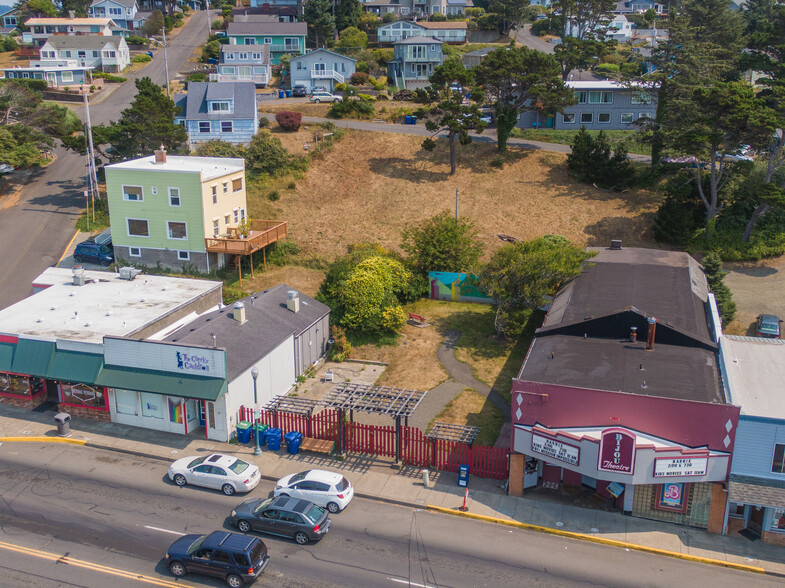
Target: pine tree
{"x":347,"y":14}
{"x":321,"y":24}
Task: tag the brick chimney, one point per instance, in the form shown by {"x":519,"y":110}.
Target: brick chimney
{"x":160,"y":155}
{"x":650,"y":333}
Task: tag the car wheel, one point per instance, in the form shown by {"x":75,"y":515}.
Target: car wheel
{"x":104,"y":263}
{"x":244,"y":526}
{"x":317,"y":101}
{"x":228,"y":489}
{"x":78,"y":258}
{"x":180,"y":480}
{"x":284,"y":494}
{"x":301,"y":538}
{"x":177,"y":569}
{"x":234,"y":581}
{"x":333,"y":507}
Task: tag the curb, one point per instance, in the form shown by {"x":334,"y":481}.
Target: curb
{"x":600,"y":540}
{"x":42,"y":440}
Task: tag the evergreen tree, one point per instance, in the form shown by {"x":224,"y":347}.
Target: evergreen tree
{"x":347,"y":14}
{"x":712,"y":266}
{"x":321,"y":24}
{"x":596,"y":161}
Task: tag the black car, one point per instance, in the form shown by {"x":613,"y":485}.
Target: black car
{"x":284,"y":516}
{"x":235,"y":558}
{"x":299,"y":91}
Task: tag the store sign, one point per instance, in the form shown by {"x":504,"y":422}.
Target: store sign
{"x":680,"y":466}
{"x":617,"y":451}
{"x":192,"y":362}
{"x":556,"y":449}
{"x":672,"y":496}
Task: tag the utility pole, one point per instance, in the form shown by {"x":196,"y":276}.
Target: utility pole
{"x":91,"y":173}
{"x":166,"y":59}
{"x":456,"y":204}
{"x":209,"y":27}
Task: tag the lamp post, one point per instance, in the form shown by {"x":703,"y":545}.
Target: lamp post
{"x":257,"y":450}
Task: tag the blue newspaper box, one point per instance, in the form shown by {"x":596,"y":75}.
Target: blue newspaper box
{"x":463,"y":476}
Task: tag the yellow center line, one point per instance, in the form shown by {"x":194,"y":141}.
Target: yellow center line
{"x":90,"y":566}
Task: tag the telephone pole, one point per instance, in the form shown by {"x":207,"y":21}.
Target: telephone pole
{"x":92,"y":177}
{"x":166,"y":59}
{"x":456,"y":204}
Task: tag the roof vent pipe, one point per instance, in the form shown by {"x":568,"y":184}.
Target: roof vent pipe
{"x":78,"y":272}
{"x":214,"y":340}
{"x":238,"y":312}
{"x":650,"y":333}
{"x":293,"y":302}
{"x":633,"y":334}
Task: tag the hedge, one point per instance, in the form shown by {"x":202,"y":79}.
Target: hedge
{"x":288,"y":120}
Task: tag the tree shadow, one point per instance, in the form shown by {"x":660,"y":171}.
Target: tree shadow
{"x":636,"y":230}
{"x":512,"y":367}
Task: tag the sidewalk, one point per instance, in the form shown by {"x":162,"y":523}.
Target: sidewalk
{"x":375,"y":478}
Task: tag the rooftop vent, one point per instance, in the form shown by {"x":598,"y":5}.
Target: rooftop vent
{"x":238,"y":312}
{"x":293,"y":303}
{"x":78,"y":272}
{"x":615,"y":244}
{"x":129,"y":273}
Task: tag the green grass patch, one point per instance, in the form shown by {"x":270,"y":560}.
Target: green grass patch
{"x":566,"y":136}
{"x":97,"y":221}
{"x":472,"y":409}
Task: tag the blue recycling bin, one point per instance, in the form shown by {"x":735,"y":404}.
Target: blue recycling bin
{"x":293,"y":440}
{"x":288,"y":93}
{"x":261,"y":430}
{"x":407,"y":120}
{"x":243,"y":432}
{"x":414,"y":120}
{"x":273,"y":439}
{"x":281,"y":93}
{"x":149,"y":53}
{"x":463,"y":476}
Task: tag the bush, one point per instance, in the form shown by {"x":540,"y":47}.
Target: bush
{"x":111,"y":79}
{"x":366,"y":97}
{"x":197,"y":77}
{"x":273,"y":196}
{"x":362,"y":66}
{"x":217,"y":24}
{"x":349,"y":107}
{"x":404,"y":95}
{"x":340,"y":87}
{"x":595,"y":160}
{"x":141,"y":58}
{"x":340,"y":348}
{"x":382,"y":97}
{"x":606,"y":68}
{"x":438,"y":17}
{"x":389,"y":17}
{"x":359,"y":78}
{"x":136,"y":40}
{"x":264,"y":122}
{"x":8,"y":44}
{"x":473,"y":12}
{"x":266,"y":155}
{"x":712,"y":264}
{"x":210,"y":51}
{"x":288,"y":120}
{"x":541,"y":27}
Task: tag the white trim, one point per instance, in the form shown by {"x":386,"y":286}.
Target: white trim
{"x":186,"y":258}
{"x":168,"y":231}
{"x":132,"y":254}
{"x":179,"y":198}
{"x":128,"y":228}
{"x":141,"y":194}
{"x":603,"y":122}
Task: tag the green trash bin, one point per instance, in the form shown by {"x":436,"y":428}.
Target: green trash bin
{"x":260,"y":429}
{"x":243,"y":432}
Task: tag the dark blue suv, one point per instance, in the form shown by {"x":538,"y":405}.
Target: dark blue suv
{"x":96,"y":249}
{"x":235,"y":558}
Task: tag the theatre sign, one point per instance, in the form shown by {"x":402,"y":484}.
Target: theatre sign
{"x":665,"y":467}
{"x":556,"y":449}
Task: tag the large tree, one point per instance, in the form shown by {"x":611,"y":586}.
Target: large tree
{"x":582,"y":16}
{"x":35,"y":9}
{"x":321,"y":23}
{"x":520,"y":79}
{"x":511,"y":13}
{"x":581,"y":54}
{"x":347,"y":14}
{"x":442,"y":244}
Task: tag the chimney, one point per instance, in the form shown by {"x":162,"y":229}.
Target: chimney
{"x":650,"y":333}
{"x":238,"y":312}
{"x":293,"y":303}
{"x":615,"y":244}
{"x":160,"y":155}
{"x":633,"y":334}
{"x":78,"y":272}
{"x":71,"y":15}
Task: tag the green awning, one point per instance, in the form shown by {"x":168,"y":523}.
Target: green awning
{"x":32,"y":357}
{"x":74,"y":366}
{"x":6,"y":356}
{"x":184,"y":385}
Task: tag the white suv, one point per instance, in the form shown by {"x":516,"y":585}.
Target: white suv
{"x":324,"y":97}
{"x":327,"y":489}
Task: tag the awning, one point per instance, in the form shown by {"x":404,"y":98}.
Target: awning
{"x":758,"y":491}
{"x":32,"y":357}
{"x":6,"y":356}
{"x":185,"y":385}
{"x":73,"y":366}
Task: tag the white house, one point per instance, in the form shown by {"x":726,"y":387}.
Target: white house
{"x":108,"y":54}
{"x":321,"y":68}
{"x":122,"y":12}
{"x":43,"y":28}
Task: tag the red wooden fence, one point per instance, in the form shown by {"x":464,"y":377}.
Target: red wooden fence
{"x":416,"y":449}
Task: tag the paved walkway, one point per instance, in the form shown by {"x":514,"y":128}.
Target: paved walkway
{"x":375,"y":478}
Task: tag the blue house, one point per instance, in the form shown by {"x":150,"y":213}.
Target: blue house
{"x":321,"y":68}
{"x":243,"y":63}
{"x":414,"y":61}
{"x":57,"y":75}
{"x":218,"y":110}
{"x":122,"y":12}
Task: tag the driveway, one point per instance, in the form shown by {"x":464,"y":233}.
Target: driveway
{"x":524,"y":37}
{"x":757,"y":289}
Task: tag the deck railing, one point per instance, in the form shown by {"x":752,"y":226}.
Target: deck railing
{"x":262,"y":233}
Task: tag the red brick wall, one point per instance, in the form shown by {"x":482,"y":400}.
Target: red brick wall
{"x":719,"y":497}
{"x":24,"y":401}
{"x":776,"y":538}
{"x":734,"y":526}
{"x":517,"y":464}
{"x":88,"y":413}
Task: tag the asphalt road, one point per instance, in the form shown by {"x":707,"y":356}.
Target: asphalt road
{"x":37,"y":223}
{"x":524,"y":37}
{"x":60,"y":503}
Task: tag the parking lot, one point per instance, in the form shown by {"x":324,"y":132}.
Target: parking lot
{"x":757,"y":288}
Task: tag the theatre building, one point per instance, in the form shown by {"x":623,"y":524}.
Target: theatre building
{"x":621,"y":392}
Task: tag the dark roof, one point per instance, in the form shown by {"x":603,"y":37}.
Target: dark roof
{"x":267,"y":28}
{"x":83,"y":41}
{"x":243,"y":94}
{"x":268,"y":324}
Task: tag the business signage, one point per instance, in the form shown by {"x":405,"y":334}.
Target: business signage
{"x":165,"y":357}
{"x":556,"y":449}
{"x":665,"y":467}
{"x":193,"y":362}
{"x":617,"y":451}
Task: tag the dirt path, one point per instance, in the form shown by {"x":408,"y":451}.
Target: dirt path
{"x":757,"y":288}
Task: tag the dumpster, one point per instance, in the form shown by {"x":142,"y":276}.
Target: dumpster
{"x":243,"y":432}
{"x":273,"y":439}
{"x":293,"y":440}
{"x":261,"y":430}
{"x":281,"y":93}
{"x":463,"y":475}
{"x":63,"y":420}
{"x":288,"y":93}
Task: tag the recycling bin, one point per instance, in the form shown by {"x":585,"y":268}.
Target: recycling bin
{"x":63,"y":421}
{"x":273,"y":439}
{"x":243,"y":432}
{"x":407,"y":120}
{"x":293,"y":440}
{"x":149,"y":54}
{"x":281,"y":93}
{"x":463,"y":476}
{"x":414,"y":120}
{"x":261,"y":430}
{"x":288,"y":93}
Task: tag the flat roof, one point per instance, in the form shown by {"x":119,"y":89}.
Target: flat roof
{"x":754,"y":369}
{"x":606,"y":85}
{"x":209,"y":167}
{"x":105,"y":305}
{"x":68,"y":21}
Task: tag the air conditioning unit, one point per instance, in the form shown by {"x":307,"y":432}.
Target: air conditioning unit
{"x":129,"y":273}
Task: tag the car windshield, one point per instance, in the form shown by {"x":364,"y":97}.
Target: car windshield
{"x":298,"y":477}
{"x":196,"y":544}
{"x":343,"y":484}
{"x":106,"y":249}
{"x":239,"y":466}
{"x":262,"y":505}
{"x":195,"y":462}
{"x":314,"y":514}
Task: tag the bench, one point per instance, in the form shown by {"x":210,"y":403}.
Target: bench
{"x":317,"y":445}
{"x":417,"y":317}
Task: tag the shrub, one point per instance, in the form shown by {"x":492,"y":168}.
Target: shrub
{"x":389,"y":17}
{"x":273,"y":196}
{"x":136,"y":40}
{"x":349,"y":107}
{"x":8,"y":44}
{"x":197,"y":77}
{"x":712,"y":264}
{"x":291,"y":185}
{"x":382,"y":97}
{"x":473,"y":12}
{"x":606,"y":68}
{"x":340,"y":348}
{"x":438,"y":17}
{"x":595,"y":160}
{"x":366,"y":97}
{"x":359,"y":78}
{"x":210,"y":51}
{"x":266,"y":155}
{"x":680,"y":214}
{"x":109,"y":77}
{"x":288,"y":120}
{"x":217,"y":24}
{"x":541,"y":27}
{"x":362,"y":66}
{"x":141,"y":58}
{"x":404,"y":95}
{"x":341,"y":87}
{"x":264,"y":122}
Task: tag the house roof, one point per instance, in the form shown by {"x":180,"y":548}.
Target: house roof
{"x":322,"y":51}
{"x":480,"y":52}
{"x":256,"y":18}
{"x":70,"y":21}
{"x":83,"y":41}
{"x":264,"y":49}
{"x":755,"y":372}
{"x":126,"y":3}
{"x":417,"y":40}
{"x":268,"y":324}
{"x":208,"y":167}
{"x":443,"y":25}
{"x":267,"y":28}
{"x":243,"y":94}
{"x":265,"y":9}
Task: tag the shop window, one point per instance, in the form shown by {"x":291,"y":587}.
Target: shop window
{"x":778,"y":463}
{"x":16,"y":385}
{"x":83,"y":395}
{"x":176,"y":410}
{"x":736,"y":510}
{"x":152,"y":405}
{"x":125,"y":402}
{"x":778,"y":520}
{"x":672,"y":496}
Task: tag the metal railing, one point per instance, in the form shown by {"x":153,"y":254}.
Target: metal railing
{"x":262,"y":233}
{"x":321,"y":74}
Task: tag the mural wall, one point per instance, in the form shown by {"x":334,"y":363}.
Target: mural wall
{"x":456,"y":287}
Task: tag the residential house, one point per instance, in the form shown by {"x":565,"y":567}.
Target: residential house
{"x":8,"y":16}
{"x":417,"y":7}
{"x":60,"y":74}
{"x":43,"y":28}
{"x":275,"y":3}
{"x":453,"y":32}
{"x":602,"y":104}
{"x":447,"y":32}
{"x":414,"y":61}
{"x":281,"y":13}
{"x":473,"y":58}
{"x":122,"y":12}
{"x":451,"y":7}
{"x":640,"y":6}
{"x":281,"y":37}
{"x":105,"y":53}
{"x":754,"y":376}
{"x":619,"y":29}
{"x":218,"y":110}
{"x":243,"y":63}
{"x":321,"y":69}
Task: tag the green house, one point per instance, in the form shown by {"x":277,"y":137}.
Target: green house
{"x":281,"y":37}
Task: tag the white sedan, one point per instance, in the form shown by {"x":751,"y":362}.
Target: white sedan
{"x":327,"y":489}
{"x":222,"y":472}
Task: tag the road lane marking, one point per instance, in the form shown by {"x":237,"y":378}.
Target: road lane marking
{"x":408,"y":583}
{"x":67,"y":247}
{"x":78,"y":563}
{"x":164,"y":530}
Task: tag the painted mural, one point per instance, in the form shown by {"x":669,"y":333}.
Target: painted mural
{"x":458,"y":287}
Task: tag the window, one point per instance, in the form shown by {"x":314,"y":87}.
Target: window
{"x":96,"y":54}
{"x":417,"y":51}
{"x":257,"y":56}
{"x":174,"y":196}
{"x":736,"y":510}
{"x":600,"y":97}
{"x":227,"y":219}
{"x":300,"y":65}
{"x":778,"y":520}
{"x":242,"y":214}
{"x":111,"y":54}
{"x":242,"y":560}
{"x":230,"y":57}
{"x":250,"y":41}
{"x":177,"y":230}
{"x":604,"y":117}
{"x":134,"y":252}
{"x":81,"y":53}
{"x":582,"y":97}
{"x":226,"y":126}
{"x":183,"y":255}
{"x":228,"y":69}
{"x":133,"y":193}
{"x":216,"y":229}
{"x":587,"y":117}
{"x":627,"y":118}
{"x":259,"y":70}
{"x":268,"y":40}
{"x":125,"y":402}
{"x":68,"y":76}
{"x":226,"y":187}
{"x":237,"y":215}
{"x":569,"y":118}
{"x":204,"y":126}
{"x":83,"y":395}
{"x":243,"y":56}
{"x":645,"y":115}
{"x":137,"y":227}
{"x":641,"y":98}
{"x":67,"y":53}
{"x":221,"y":556}
{"x":219,"y":107}
{"x":778,"y":463}
{"x":237,"y":184}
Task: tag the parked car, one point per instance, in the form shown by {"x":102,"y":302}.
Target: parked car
{"x":769,"y":326}
{"x":5,"y":168}
{"x":97,"y":249}
{"x":318,"y":97}
{"x":299,"y":519}
{"x":234,"y":557}
{"x":218,"y":471}
{"x":299,"y":91}
{"x":328,"y":489}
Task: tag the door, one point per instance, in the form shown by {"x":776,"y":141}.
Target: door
{"x":51,"y":79}
{"x":202,"y":411}
{"x":217,"y":477}
{"x":222,"y":563}
{"x":201,"y":476}
{"x":319,"y":69}
{"x":287,"y":523}
{"x":200,"y":561}
{"x":267,"y":521}
{"x":756,"y":520}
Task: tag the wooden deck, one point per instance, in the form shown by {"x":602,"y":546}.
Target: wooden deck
{"x":263,"y":233}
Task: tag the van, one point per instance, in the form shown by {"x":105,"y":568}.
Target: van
{"x":97,"y":249}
